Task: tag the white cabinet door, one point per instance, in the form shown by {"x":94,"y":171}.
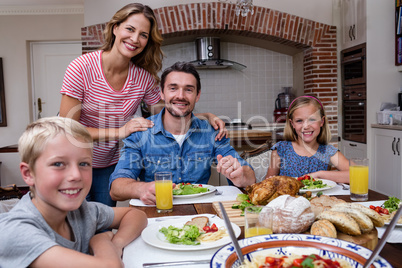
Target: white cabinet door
{"x":353,"y":14}
{"x":351,"y":149}
{"x":387,"y":162}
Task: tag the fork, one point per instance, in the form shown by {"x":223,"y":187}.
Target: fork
{"x":344,"y":186}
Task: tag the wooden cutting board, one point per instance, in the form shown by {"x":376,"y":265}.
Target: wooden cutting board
{"x":233,"y":214}
{"x":368,"y":240}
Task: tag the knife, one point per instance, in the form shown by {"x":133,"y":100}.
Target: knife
{"x":383,"y":239}
{"x":232,"y":234}
{"x":174,"y":263}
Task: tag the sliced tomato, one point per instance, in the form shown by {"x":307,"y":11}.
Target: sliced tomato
{"x":385,"y":211}
{"x":200,"y":185}
{"x":214,"y":228}
{"x":270,"y":260}
{"x":372,"y":207}
{"x":378,"y":209}
{"x":297,"y":262}
{"x":207,"y":229}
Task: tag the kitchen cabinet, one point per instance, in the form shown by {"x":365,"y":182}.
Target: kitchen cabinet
{"x":353,"y":22}
{"x":387,"y":161}
{"x":351,"y":149}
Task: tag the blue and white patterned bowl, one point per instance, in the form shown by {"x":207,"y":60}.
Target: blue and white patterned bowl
{"x":288,"y":244}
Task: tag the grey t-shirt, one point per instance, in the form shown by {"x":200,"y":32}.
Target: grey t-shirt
{"x":25,"y":235}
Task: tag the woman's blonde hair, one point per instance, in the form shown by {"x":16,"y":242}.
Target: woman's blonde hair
{"x":290,"y":134}
{"x":37,"y":134}
{"x":151,"y":57}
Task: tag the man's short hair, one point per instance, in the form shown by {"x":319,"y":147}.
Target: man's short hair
{"x":184,"y":67}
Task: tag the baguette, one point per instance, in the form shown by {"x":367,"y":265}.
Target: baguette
{"x":342,"y":221}
{"x":364,"y":222}
{"x":375,"y":217}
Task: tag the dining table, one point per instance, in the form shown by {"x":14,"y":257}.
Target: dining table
{"x":392,"y":252}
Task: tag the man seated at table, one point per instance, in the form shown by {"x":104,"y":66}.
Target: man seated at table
{"x":179,"y":143}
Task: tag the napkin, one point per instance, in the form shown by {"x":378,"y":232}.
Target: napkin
{"x":228,"y":193}
{"x":139,"y":252}
{"x":396,"y":236}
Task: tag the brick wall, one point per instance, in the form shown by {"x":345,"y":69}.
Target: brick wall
{"x":317,"y":39}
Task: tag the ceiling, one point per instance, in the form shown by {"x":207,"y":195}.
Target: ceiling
{"x":40,"y":2}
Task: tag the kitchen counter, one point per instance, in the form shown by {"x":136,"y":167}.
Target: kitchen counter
{"x":248,"y":139}
{"x":391,"y":127}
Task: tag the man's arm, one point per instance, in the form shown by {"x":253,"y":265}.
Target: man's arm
{"x":126,"y":188}
{"x":230,"y":167}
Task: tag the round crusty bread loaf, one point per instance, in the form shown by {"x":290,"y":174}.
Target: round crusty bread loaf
{"x":323,"y":228}
{"x":291,"y":214}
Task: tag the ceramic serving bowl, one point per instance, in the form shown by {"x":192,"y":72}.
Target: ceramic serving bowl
{"x":288,"y":244}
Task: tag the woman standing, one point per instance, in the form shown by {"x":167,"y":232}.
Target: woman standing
{"x":103,"y":89}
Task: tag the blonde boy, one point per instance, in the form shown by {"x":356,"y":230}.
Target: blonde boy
{"x":53,"y":225}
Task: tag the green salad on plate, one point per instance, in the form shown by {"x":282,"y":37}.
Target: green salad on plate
{"x":188,"y":189}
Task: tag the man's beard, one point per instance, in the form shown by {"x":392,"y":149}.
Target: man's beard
{"x":170,"y":109}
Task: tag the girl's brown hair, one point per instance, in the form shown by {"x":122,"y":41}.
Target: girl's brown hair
{"x":151,"y":58}
{"x":290,"y":134}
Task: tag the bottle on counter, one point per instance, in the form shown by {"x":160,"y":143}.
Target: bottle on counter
{"x":391,"y":119}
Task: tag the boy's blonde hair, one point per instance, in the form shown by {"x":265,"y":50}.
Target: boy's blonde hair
{"x":289,"y":134}
{"x":37,"y":134}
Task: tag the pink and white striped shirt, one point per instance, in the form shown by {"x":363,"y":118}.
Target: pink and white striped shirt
{"x":102,"y":106}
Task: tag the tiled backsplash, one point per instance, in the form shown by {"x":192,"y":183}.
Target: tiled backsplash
{"x":248,"y":94}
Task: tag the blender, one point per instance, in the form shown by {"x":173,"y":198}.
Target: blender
{"x":282,"y":103}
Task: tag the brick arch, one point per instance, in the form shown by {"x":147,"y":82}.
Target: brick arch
{"x":317,"y":40}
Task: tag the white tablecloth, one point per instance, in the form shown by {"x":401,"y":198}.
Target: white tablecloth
{"x":139,"y":252}
{"x":337,"y":190}
{"x":227,"y":193}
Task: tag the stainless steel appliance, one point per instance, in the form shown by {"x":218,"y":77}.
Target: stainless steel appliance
{"x":353,"y":63}
{"x":282,"y":104}
{"x":354,"y":113}
{"x":209,"y":55}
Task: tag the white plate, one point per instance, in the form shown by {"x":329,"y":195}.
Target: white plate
{"x":330,"y":185}
{"x":209,"y":187}
{"x":288,"y":244}
{"x":153,"y":237}
{"x":378,"y":203}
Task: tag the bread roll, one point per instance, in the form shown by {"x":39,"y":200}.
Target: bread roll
{"x":342,"y":221}
{"x":291,"y":214}
{"x":323,"y":228}
{"x":364,"y":222}
{"x":324,"y":202}
{"x":373,"y":215}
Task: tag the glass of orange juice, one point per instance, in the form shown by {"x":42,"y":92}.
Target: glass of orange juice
{"x":164,"y":192}
{"x":359,"y":178}
{"x":258,"y":221}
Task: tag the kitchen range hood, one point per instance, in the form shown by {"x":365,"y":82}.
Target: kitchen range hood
{"x":209,"y":55}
